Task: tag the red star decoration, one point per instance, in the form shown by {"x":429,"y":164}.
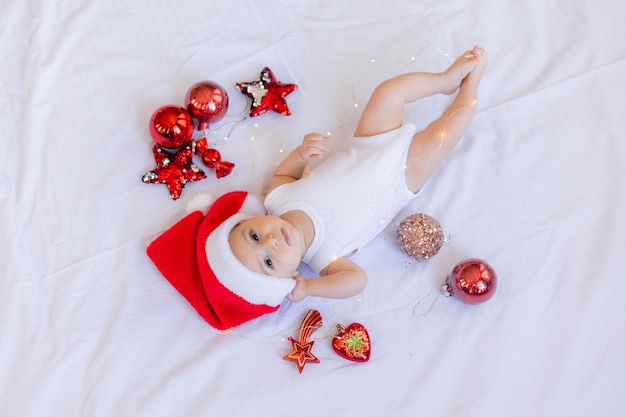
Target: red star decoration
{"x":173,"y":169}
{"x":301,"y":353}
{"x":267,"y":94}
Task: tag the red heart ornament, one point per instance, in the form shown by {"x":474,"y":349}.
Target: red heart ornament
{"x":352,"y":342}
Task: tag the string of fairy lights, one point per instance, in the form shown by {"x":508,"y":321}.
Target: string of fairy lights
{"x":240,"y":127}
{"x":226,"y":132}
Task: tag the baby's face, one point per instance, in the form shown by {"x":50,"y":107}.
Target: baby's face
{"x":268,"y":245}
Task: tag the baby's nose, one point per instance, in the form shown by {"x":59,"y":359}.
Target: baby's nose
{"x":273,"y":240}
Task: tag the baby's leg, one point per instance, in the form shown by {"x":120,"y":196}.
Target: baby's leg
{"x":432,"y":145}
{"x":385,"y":107}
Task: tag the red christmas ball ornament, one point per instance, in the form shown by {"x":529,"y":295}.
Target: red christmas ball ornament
{"x":352,"y":342}
{"x":206,"y":101}
{"x":171,"y":126}
{"x":472,"y":281}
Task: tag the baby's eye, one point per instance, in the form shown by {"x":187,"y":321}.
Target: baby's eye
{"x":269,"y":263}
{"x":254,"y":236}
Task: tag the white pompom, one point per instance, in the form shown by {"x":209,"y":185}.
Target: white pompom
{"x":200,"y":202}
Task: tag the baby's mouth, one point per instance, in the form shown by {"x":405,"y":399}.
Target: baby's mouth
{"x":286,"y":237}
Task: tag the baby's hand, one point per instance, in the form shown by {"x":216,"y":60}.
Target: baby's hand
{"x":299,"y":291}
{"x":313,"y":147}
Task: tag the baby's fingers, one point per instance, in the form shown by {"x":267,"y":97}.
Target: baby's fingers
{"x":312,"y":138}
{"x":321,"y":143}
{"x":299,"y":291}
{"x":310,"y":153}
{"x":314,"y":146}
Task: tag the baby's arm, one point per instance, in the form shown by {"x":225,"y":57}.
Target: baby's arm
{"x":292,"y":167}
{"x":341,"y":279}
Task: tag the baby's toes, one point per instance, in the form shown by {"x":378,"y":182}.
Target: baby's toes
{"x":479,"y":51}
{"x":469,"y":54}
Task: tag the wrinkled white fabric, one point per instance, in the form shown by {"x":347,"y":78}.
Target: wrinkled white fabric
{"x":88,"y":326}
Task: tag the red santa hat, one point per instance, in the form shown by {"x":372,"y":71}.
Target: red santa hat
{"x":195,"y":257}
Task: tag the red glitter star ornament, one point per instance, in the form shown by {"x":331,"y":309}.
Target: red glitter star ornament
{"x":301,"y":353}
{"x":267,"y":94}
{"x":173,"y":169}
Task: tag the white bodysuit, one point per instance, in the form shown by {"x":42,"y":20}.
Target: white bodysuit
{"x":350,"y":197}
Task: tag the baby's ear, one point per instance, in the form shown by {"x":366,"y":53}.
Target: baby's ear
{"x":200,"y":202}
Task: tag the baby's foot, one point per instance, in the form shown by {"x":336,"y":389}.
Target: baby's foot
{"x":474,"y":77}
{"x":459,"y":69}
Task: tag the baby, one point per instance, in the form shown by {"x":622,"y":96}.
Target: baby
{"x":248,"y":263}
{"x":353,"y":199}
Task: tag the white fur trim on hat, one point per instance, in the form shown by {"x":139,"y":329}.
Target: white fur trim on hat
{"x":252,"y":286}
{"x":200,"y":202}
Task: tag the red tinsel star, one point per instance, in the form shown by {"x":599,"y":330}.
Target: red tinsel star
{"x":267,"y":94}
{"x":301,"y":353}
{"x":173,"y":169}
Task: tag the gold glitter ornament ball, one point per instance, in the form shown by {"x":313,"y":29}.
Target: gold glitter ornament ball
{"x":420,"y":236}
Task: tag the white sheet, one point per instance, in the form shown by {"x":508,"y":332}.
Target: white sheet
{"x":88,"y":326}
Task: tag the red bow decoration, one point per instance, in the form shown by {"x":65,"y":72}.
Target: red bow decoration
{"x":301,"y":353}
{"x":212,"y":158}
